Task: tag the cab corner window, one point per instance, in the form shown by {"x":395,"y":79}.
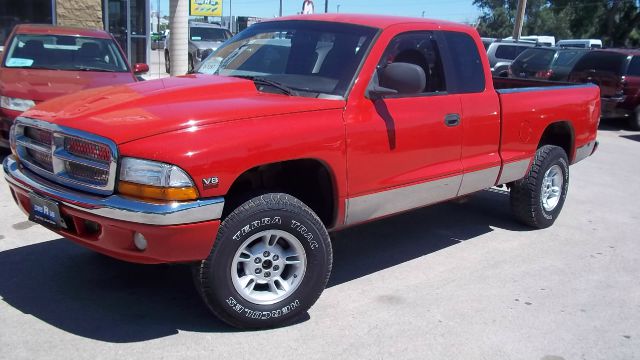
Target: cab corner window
{"x":465,"y":63}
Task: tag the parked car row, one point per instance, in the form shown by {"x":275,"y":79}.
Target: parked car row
{"x":615,"y":71}
{"x":41,"y":62}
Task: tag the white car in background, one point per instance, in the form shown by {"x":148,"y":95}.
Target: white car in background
{"x":580,"y":43}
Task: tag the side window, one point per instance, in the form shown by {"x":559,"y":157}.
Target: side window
{"x":634,"y":66}
{"x":418,"y":48}
{"x":506,"y":52}
{"x":464,"y":63}
{"x":520,"y":49}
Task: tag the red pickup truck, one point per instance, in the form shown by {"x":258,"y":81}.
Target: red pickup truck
{"x":294,"y":127}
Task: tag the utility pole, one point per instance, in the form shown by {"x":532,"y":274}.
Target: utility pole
{"x":517,"y":29}
{"x":280,"y":8}
{"x":326,"y":6}
{"x":179,"y":43}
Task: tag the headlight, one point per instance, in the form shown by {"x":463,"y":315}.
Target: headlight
{"x":12,"y":140}
{"x":16,"y":104}
{"x":155,"y":180}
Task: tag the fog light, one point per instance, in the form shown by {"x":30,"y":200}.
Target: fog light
{"x":140,"y":241}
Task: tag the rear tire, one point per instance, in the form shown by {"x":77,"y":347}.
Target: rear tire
{"x":269,"y":264}
{"x":537,"y":199}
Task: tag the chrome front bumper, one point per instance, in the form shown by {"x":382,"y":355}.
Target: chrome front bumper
{"x":115,"y":206}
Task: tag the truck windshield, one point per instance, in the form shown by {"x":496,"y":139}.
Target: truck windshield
{"x":310,"y":57}
{"x":58,"y":52}
{"x":208,"y":34}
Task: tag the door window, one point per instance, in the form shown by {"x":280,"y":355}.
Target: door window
{"x":418,"y":48}
{"x":509,"y":52}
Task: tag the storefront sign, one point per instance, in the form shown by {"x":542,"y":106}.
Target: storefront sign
{"x":205,"y":8}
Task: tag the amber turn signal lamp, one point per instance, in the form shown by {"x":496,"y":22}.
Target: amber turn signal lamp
{"x":156,"y":192}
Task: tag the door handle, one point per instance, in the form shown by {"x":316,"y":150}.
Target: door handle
{"x":452,"y":120}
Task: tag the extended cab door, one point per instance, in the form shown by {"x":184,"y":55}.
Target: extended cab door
{"x":468,"y":75}
{"x":403,"y":151}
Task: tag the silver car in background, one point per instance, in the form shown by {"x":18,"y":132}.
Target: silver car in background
{"x":502,"y":52}
{"x":204,"y":38}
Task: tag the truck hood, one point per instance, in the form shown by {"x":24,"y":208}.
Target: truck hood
{"x":128,"y":112}
{"x":40,"y":85}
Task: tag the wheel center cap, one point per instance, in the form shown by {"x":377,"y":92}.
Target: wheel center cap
{"x":267,"y":264}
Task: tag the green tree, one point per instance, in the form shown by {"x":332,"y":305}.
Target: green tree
{"x":616,"y":22}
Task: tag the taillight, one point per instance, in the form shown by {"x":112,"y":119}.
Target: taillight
{"x":544,"y":74}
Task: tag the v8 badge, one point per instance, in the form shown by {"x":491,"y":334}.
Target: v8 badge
{"x":210,"y":183}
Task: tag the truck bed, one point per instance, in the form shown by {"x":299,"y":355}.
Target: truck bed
{"x":527,"y":106}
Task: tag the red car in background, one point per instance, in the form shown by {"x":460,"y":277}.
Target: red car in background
{"x":40,"y":62}
{"x":617,"y":73}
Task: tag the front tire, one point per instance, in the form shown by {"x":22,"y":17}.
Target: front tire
{"x":269,"y":264}
{"x":537,"y":199}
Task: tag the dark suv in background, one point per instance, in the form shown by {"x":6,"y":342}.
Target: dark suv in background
{"x":617,"y":73}
{"x":546,"y":63}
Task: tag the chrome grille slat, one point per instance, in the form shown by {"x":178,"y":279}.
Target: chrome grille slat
{"x":31,"y":144}
{"x":87,"y":172}
{"x":66,"y":156}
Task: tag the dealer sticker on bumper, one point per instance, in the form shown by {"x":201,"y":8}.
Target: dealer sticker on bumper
{"x":45,"y":211}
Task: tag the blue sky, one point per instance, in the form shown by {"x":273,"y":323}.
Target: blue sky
{"x":454,"y":10}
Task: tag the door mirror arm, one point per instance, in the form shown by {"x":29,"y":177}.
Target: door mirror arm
{"x":377,"y":92}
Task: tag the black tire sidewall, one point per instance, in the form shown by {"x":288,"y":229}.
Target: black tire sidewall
{"x":555,"y":157}
{"x":225,"y":300}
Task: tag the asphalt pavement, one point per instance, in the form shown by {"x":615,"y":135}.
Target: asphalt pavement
{"x":459,"y":280}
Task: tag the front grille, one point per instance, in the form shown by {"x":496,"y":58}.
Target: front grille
{"x":67,"y":156}
{"x":87,"y":149}
{"x":87,"y":173}
{"x":43,"y":137}
{"x":42,"y":159}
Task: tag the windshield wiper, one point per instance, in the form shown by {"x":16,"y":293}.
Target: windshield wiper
{"x":86,"y":68}
{"x":264,"y":81}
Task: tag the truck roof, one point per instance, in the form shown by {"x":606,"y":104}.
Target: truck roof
{"x":376,"y":21}
{"x":60,"y":30}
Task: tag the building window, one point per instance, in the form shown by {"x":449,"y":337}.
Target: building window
{"x":28,"y":11}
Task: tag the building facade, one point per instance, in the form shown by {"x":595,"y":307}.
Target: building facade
{"x":126,"y":20}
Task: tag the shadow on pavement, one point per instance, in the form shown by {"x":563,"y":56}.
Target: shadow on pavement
{"x":614,"y":124}
{"x":631,"y":137}
{"x":93,"y":296}
{"x":363,"y":250}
